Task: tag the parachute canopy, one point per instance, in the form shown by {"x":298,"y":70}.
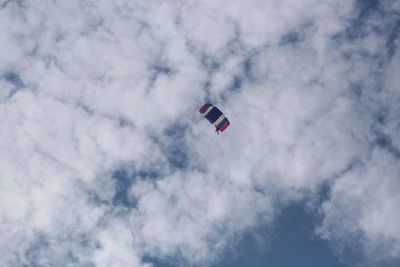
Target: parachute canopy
{"x":215,"y":117}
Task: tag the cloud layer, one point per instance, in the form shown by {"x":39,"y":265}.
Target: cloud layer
{"x":105,"y":161}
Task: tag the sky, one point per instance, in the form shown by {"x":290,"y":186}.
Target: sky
{"x":105,"y":160}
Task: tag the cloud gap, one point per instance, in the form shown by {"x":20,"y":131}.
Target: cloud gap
{"x":19,"y":3}
{"x":385,"y":142}
{"x":393,"y":39}
{"x":173,"y":145}
{"x":158,"y":70}
{"x":124,"y":180}
{"x":15,"y":80}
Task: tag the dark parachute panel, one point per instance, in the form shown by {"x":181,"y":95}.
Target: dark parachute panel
{"x":215,"y":117}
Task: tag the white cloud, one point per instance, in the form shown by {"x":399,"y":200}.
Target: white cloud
{"x":194,"y":215}
{"x":365,"y":204}
{"x":91,"y":88}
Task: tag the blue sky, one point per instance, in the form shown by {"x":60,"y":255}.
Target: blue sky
{"x":105,"y":160}
{"x":293,"y":243}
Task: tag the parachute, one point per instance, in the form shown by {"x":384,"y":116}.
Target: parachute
{"x":215,"y":117}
